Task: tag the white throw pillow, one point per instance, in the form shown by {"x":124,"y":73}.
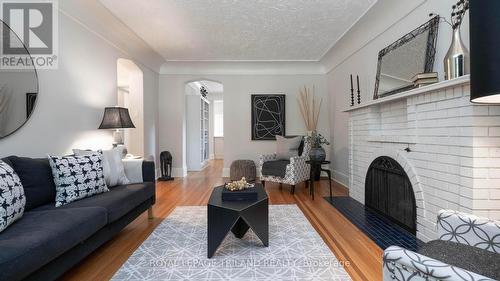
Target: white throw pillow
{"x":287,"y":148}
{"x":12,"y":199}
{"x":114,"y":172}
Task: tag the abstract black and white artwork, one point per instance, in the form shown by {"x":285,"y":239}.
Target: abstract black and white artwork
{"x":268,"y":116}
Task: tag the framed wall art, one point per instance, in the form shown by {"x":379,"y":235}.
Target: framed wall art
{"x":268,"y":116}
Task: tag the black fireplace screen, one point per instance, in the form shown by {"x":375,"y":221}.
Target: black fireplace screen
{"x":389,"y":192}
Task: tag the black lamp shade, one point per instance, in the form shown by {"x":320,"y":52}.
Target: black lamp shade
{"x":485,"y":51}
{"x":116,"y":118}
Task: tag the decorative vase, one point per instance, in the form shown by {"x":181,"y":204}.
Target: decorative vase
{"x":317,"y":154}
{"x":456,"y":61}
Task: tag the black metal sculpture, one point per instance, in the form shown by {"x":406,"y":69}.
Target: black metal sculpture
{"x":166,"y":166}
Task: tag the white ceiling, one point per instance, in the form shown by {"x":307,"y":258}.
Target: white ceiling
{"x":239,"y":30}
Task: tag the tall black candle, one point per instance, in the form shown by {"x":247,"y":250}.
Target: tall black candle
{"x":352,"y":92}
{"x":359,"y":91}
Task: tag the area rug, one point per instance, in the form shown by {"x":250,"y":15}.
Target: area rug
{"x":177,"y":250}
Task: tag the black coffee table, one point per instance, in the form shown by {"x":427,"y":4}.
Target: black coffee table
{"x":237,"y":217}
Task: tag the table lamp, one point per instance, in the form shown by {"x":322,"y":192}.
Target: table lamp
{"x":116,"y":118}
{"x":484,"y":45}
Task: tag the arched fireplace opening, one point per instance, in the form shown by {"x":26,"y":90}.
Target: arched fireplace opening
{"x":389,"y":192}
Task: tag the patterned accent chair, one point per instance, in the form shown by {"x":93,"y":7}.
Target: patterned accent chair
{"x":296,"y":172}
{"x":402,"y":264}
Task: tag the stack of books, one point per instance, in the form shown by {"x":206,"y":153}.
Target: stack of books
{"x":424,"y":79}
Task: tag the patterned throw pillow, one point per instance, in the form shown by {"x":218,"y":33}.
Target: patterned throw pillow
{"x":77,"y":177}
{"x":12,"y":200}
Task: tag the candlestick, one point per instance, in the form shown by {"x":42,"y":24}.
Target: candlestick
{"x":352,"y":92}
{"x":359,"y":92}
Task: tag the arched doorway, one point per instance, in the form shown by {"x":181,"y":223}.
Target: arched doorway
{"x":203,"y":123}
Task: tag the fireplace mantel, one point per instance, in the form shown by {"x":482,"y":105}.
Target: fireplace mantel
{"x":448,"y":147}
{"x":426,"y":89}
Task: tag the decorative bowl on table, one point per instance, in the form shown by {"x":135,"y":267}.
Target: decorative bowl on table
{"x":239,"y":191}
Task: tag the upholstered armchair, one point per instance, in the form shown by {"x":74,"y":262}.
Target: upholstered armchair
{"x":402,"y":264}
{"x":296,"y":172}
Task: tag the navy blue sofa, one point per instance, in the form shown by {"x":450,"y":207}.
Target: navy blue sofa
{"x":48,"y":241}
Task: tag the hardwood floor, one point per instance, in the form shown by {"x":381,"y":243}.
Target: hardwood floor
{"x":363,"y":257}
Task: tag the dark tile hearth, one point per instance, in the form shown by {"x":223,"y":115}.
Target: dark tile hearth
{"x":381,"y":230}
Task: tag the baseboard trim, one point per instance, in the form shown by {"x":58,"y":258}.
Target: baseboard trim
{"x":340,"y":183}
{"x":340,"y":178}
{"x":179,"y":172}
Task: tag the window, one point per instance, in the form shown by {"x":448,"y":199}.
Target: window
{"x":218,"y":118}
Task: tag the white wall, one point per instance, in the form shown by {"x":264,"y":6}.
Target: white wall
{"x":150,"y":115}
{"x":131,"y":95}
{"x":72,"y":98}
{"x":237,"y":114}
{"x":216,"y":143}
{"x":218,"y":111}
{"x":357,"y":52}
{"x":211,"y":111}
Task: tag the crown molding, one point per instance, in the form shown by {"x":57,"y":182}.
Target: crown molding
{"x":371,"y":25}
{"x":347,"y":31}
{"x":97,"y":19}
{"x":242,"y":68}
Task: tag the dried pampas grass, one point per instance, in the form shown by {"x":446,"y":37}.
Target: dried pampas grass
{"x":309,"y":107}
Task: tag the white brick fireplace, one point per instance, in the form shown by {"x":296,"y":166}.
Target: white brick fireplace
{"x":454,"y":157}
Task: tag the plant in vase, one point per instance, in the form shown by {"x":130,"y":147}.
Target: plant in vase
{"x":310,"y":108}
{"x":317,"y":152}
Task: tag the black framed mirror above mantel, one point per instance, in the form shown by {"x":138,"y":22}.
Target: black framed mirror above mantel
{"x":407,"y":60}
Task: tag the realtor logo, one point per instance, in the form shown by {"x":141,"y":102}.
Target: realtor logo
{"x":33,"y":29}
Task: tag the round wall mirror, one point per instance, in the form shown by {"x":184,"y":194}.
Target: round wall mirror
{"x":18,"y":82}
